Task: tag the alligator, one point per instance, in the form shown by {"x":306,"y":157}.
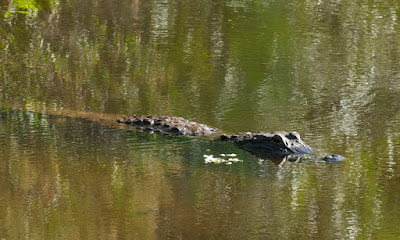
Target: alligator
{"x":274,"y":145}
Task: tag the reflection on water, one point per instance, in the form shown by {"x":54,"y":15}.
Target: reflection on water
{"x":326,"y":69}
{"x":70,"y":179}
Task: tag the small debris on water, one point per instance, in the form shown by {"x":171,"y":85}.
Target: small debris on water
{"x":225,"y":158}
{"x":228,"y":155}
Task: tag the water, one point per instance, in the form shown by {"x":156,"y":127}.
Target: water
{"x":326,"y":69}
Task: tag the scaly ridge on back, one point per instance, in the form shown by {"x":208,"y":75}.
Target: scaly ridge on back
{"x":164,"y":125}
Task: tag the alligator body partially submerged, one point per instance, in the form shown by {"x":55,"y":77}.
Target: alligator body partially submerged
{"x":265,"y":145}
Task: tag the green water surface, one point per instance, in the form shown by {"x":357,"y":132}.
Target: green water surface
{"x":329,"y":70}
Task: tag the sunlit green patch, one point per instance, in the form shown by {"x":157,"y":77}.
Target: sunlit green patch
{"x":29,"y":6}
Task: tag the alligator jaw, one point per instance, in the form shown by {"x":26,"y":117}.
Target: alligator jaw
{"x":270,"y":144}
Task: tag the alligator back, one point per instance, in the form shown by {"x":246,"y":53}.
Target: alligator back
{"x":164,"y":125}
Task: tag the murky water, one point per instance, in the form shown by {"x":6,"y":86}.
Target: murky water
{"x":329,"y":70}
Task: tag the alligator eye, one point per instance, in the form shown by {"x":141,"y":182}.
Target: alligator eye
{"x":293,"y":135}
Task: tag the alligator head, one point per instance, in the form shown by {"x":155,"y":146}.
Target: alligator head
{"x":270,"y":144}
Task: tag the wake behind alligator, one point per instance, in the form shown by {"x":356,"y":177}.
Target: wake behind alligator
{"x":279,"y":144}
